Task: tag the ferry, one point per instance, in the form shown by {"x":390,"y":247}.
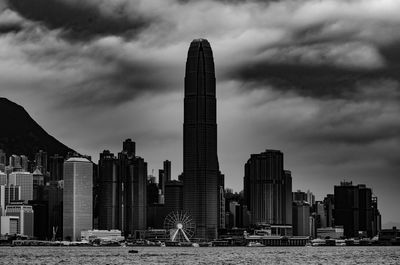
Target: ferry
{"x":255,"y":244}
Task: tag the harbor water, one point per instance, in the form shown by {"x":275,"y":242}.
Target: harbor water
{"x":202,"y":255}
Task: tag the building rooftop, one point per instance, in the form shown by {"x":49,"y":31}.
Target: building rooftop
{"x":78,"y":159}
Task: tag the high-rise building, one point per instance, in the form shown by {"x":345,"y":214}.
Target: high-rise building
{"x":41,"y":161}
{"x":8,"y":194}
{"x":301,"y":218}
{"x":267,"y":189}
{"x":15,"y":162}
{"x":109,"y":190}
{"x":365,"y":210}
{"x":299,"y":196}
{"x":161,"y":181}
{"x":77,"y":197}
{"x":38,"y":184}
{"x":25,"y":181}
{"x":54,"y":196}
{"x":173,"y":196}
{"x":25,"y":214}
{"x":24,"y":163}
{"x":320,"y":211}
{"x":132,"y":171}
{"x":56,"y":167}
{"x":3,"y":178}
{"x":347,"y":208}
{"x":167,"y":170}
{"x":3,"y":160}
{"x":376,"y":217}
{"x":129,"y":147}
{"x":329,"y":204}
{"x":200,"y":159}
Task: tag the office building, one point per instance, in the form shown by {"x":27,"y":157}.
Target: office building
{"x":24,"y":163}
{"x":25,"y":181}
{"x":347,"y":208}
{"x":200,"y":159}
{"x":167,"y":170}
{"x":301,"y":218}
{"x":56,"y":167}
{"x":9,"y":225}
{"x":320,"y":211}
{"x":77,"y":197}
{"x":3,"y":178}
{"x":25,"y":214}
{"x":38,"y":184}
{"x":108,"y":191}
{"x":132,"y":171}
{"x":161,"y":181}
{"x":8,"y":194}
{"x":329,"y":205}
{"x":3,"y":160}
{"x":41,"y":161}
{"x":15,"y":162}
{"x":173,"y":196}
{"x":54,"y":197}
{"x":267,"y":189}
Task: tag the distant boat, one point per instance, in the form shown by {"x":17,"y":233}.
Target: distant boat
{"x":133,"y":251}
{"x":255,"y":244}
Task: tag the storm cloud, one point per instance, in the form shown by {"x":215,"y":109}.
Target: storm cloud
{"x":317,"y":79}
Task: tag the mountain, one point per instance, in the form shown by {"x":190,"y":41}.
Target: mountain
{"x":20,"y":134}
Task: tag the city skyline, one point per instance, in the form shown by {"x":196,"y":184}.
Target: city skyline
{"x":322,"y":87}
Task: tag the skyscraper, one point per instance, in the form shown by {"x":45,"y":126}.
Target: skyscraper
{"x":56,"y":167}
{"x":108,"y":191}
{"x":200,"y":160}
{"x":132,"y":199}
{"x":268,"y":188}
{"x":41,"y":161}
{"x":347,"y":208}
{"x":167,"y":170}
{"x":77,"y":197}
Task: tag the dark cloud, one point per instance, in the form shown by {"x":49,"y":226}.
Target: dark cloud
{"x":81,"y":20}
{"x":317,"y":79}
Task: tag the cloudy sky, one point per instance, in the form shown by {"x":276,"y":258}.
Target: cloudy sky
{"x":317,"y":79}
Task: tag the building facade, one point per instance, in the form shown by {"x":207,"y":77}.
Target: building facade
{"x":200,"y":160}
{"x":77,"y":197}
{"x":25,"y":215}
{"x":25,"y":181}
{"x":268,"y":189}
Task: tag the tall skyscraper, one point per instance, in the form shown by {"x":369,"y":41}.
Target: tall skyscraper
{"x":56,"y":167}
{"x":77,"y":197}
{"x":132,"y":200}
{"x":200,"y":160}
{"x":347,"y":208}
{"x":301,"y":218}
{"x":108,"y":191}
{"x":167,"y":170}
{"x":268,"y":188}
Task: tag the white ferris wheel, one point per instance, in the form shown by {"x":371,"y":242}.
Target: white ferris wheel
{"x":180,"y":225}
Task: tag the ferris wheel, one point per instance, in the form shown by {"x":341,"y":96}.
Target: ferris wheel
{"x":180,"y":225}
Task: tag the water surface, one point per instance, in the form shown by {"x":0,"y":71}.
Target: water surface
{"x":221,"y":255}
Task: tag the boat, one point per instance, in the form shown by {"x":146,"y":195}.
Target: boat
{"x":255,"y":244}
{"x":133,"y":251}
{"x":318,"y":242}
